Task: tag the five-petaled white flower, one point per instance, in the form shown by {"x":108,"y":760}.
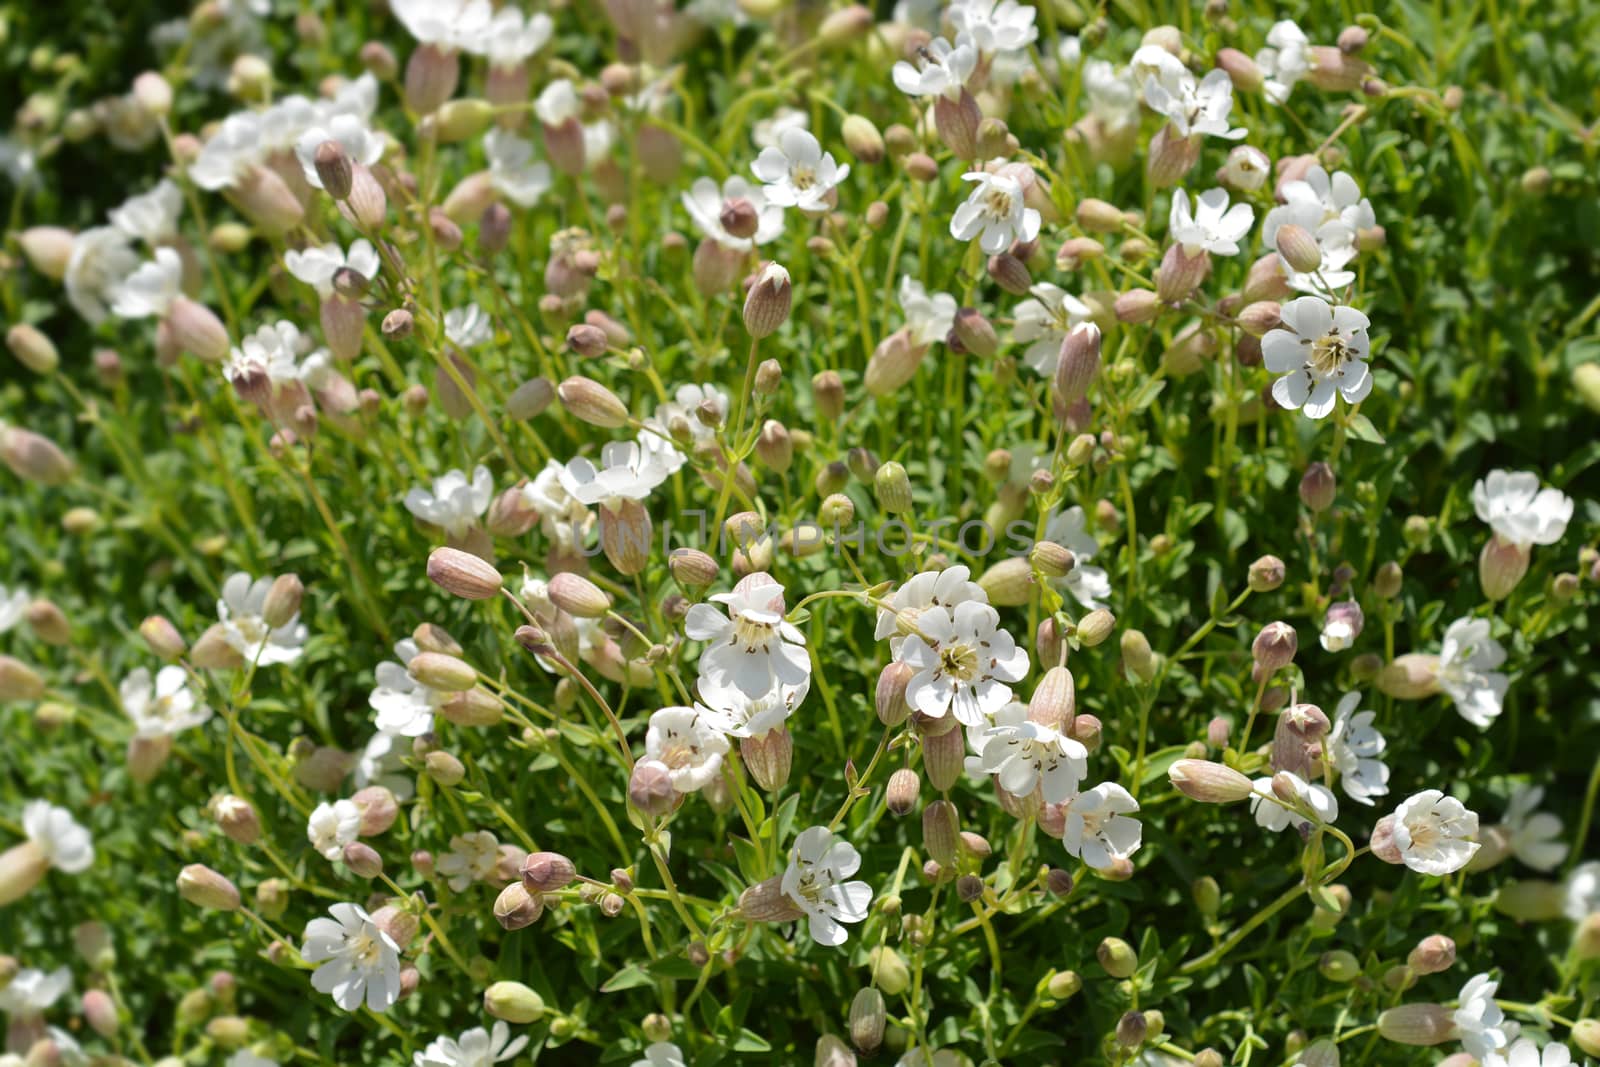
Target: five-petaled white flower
{"x":994,"y":214}
{"x":964,"y":663}
{"x":750,"y":646}
{"x":1480,"y":1022}
{"x":63,"y":843}
{"x":1518,"y":511}
{"x":1043,"y":321}
{"x":162,"y":706}
{"x":475,"y":1048}
{"x":729,"y":711}
{"x":995,"y":26}
{"x":687,"y":743}
{"x":317,"y":264}
{"x":1213,"y":226}
{"x":929,"y":589}
{"x":928,"y":316}
{"x":1331,"y":209}
{"x":1285,"y":60}
{"x":1434,"y":833}
{"x":360,"y":963}
{"x":1535,"y":836}
{"x":1193,"y":108}
{"x":704,"y":201}
{"x":1099,"y":827}
{"x":1088,"y":585}
{"x":276,"y":352}
{"x":1272,"y":814}
{"x":152,"y":216}
{"x":472,"y":858}
{"x":467,"y":327}
{"x":819,"y":863}
{"x":513,"y":171}
{"x":628,"y":471}
{"x":1467,"y":661}
{"x":1354,"y":748}
{"x":1526,"y":1053}
{"x":149,"y":291}
{"x":1322,"y":353}
{"x":455,"y":503}
{"x":247,"y":633}
{"x":404,"y":705}
{"x":333,"y":826}
{"x":101,"y":258}
{"x":941,"y":69}
{"x":797,"y":172}
{"x":1029,"y":756}
{"x":514,"y":37}
{"x":31,"y":992}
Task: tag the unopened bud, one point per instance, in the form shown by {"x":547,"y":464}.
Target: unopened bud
{"x":205,"y":888}
{"x":592,"y":403}
{"x":463,"y":574}
{"x":513,"y":1002}
{"x":1117,"y":957}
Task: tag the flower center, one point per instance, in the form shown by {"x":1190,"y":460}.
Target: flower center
{"x":1329,"y":353}
{"x":802,"y":177}
{"x":997,"y":203}
{"x":959,"y":662}
{"x":751,"y":633}
{"x":679,"y":753}
{"x":365,"y":949}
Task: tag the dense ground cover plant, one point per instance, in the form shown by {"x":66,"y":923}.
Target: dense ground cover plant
{"x":782,"y":532}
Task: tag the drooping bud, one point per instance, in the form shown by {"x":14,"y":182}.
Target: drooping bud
{"x":1208,"y":782}
{"x":463,"y":574}
{"x":941,"y":831}
{"x":34,"y":457}
{"x":1432,"y":955}
{"x":516,"y":908}
{"x":592,"y":403}
{"x":1414,"y":676}
{"x":1095,"y":627}
{"x":1417,"y":1024}
{"x":513,"y":1002}
{"x":205,"y":888}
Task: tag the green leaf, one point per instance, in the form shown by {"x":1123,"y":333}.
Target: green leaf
{"x":1361,"y":429}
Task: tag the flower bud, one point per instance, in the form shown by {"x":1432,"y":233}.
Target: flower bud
{"x":1531,"y":900}
{"x":1098,"y":216}
{"x":827,"y":390}
{"x":1501,"y":566}
{"x":1318,"y":487}
{"x":1298,"y":248}
{"x":33,"y":457}
{"x":19,"y":683}
{"x":650,"y":788}
{"x":1417,"y":1024}
{"x":32,"y":348}
{"x":1117,"y":957}
{"x":1266,"y":574}
{"x":463,"y":574}
{"x":1432,"y":955}
{"x":942,"y":758}
{"x":362,"y":860}
{"x":1208,"y":782}
{"x":941,"y":830}
{"x":513,"y":1002}
{"x":1242,"y":70}
{"x":862,"y":138}
{"x":1131,"y":1030}
{"x":444,"y":768}
{"x":1010,"y":273}
{"x":205,"y":888}
{"x":957,"y":122}
{"x":100,"y":1012}
{"x":48,"y":250}
{"x":1079,"y":362}
{"x":768,"y":758}
{"x":578,"y":596}
{"x":516,"y":908}
{"x":766,"y":305}
{"x":1095,"y":627}
{"x":900,"y":796}
{"x":889,"y":972}
{"x":1052,"y":560}
{"x":236,"y":817}
{"x":1180,"y":274}
{"x":890,"y":696}
{"x":530,"y":399}
{"x":1339,"y":965}
{"x":546,"y":872}
{"x":379,"y":809}
{"x":1414,"y":676}
{"x":593,"y":403}
{"x":867,"y":1019}
{"x":976,"y":333}
{"x":1054,"y":699}
{"x":1274,"y":647}
{"x":1137,"y":659}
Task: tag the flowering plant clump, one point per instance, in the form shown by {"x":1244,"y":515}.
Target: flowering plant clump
{"x":942,"y":533}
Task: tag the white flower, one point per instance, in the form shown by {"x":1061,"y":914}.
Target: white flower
{"x":359,"y":961}
{"x":1479,"y":1020}
{"x":317,"y":264}
{"x":1099,"y":829}
{"x":404,"y":705}
{"x":1332,"y":210}
{"x":163,"y":706}
{"x":276,"y":352}
{"x":472,"y":858}
{"x":513,"y":38}
{"x":562,"y":517}
{"x":994,"y":214}
{"x":1341,"y":626}
{"x":1193,"y":108}
{"x":1434,"y":833}
{"x":31,"y":991}
{"x":686,"y":742}
{"x":467,"y":327}
{"x":66,"y":846}
{"x":1285,"y":60}
{"x":475,"y":1048}
{"x":994,"y":25}
{"x":929,"y":316}
{"x":819,"y":863}
{"x":657,"y":438}
{"x":1525,"y":1053}
{"x":229,"y":153}
{"x":348,"y":132}
{"x":1535,"y":835}
{"x":13,"y":606}
{"x":245,"y":1058}
{"x":797,"y":172}
{"x":455,"y":504}
{"x":727,"y":708}
{"x":1273,"y":815}
{"x":1088,"y":585}
{"x":750,"y":647}
{"x":382,"y":763}
{"x":627,"y":471}
{"x":333,"y":826}
{"x":513,"y":171}
{"x":1043,"y":321}
{"x":1030,"y":755}
{"x":152,"y":216}
{"x":150,"y":290}
{"x":1518,"y":511}
{"x":239,"y":610}
{"x":558,"y":103}
{"x":447,"y":24}
{"x":1214,"y":226}
{"x":662,"y":1054}
{"x":1247,"y":168}
{"x":765,"y":132}
{"x":942,"y":70}
{"x":963,"y":661}
{"x":1322,"y":353}
{"x":101,"y":258}
{"x":1467,"y":661}
{"x":1581,"y":891}
{"x":1113,"y":95}
{"x":1354,"y":748}
{"x":942,"y":589}
{"x":704,"y":203}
